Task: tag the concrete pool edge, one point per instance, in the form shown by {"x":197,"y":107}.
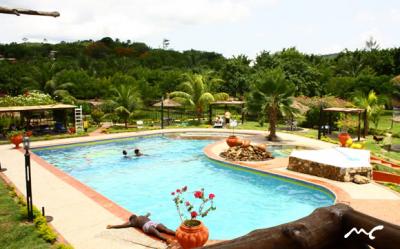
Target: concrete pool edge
{"x":340,"y":196}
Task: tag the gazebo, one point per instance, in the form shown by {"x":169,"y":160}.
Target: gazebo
{"x":341,"y":110}
{"x":226,"y":103}
{"x":31,"y":120}
{"x":166,"y":103}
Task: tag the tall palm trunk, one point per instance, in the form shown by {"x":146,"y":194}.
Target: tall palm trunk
{"x":272,"y":116}
{"x":199,"y":111}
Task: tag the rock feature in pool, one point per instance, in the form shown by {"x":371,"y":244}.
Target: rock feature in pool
{"x":247,"y":152}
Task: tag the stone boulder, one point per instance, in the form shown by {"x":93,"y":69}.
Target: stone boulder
{"x":248,"y":153}
{"x":361,"y":179}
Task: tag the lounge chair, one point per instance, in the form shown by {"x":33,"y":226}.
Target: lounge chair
{"x":139,"y":124}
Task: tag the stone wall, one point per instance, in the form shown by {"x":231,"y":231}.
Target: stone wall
{"x":326,"y":170}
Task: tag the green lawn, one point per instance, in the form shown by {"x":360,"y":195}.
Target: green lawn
{"x":14,"y":232}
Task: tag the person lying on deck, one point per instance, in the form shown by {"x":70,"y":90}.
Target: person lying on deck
{"x":148,"y":226}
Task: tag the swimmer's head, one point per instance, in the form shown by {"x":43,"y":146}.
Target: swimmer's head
{"x":124,"y":152}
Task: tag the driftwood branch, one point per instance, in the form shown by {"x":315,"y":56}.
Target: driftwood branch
{"x":18,"y":12}
{"x":323,"y":229}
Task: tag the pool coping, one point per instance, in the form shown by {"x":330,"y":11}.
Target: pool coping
{"x":340,"y":196}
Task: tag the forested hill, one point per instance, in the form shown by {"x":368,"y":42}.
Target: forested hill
{"x":89,"y":69}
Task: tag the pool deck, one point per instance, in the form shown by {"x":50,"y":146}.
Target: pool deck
{"x":81,"y":214}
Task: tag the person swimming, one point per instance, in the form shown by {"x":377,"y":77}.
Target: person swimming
{"x":125,"y":153}
{"x":138,"y":153}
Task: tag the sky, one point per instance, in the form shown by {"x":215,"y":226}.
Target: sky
{"x":230,"y":27}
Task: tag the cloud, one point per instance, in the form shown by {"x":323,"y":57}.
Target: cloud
{"x":125,"y":19}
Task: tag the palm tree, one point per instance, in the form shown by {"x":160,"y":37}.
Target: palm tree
{"x":196,"y":91}
{"x":373,"y":105}
{"x":271,"y":93}
{"x":55,"y":88}
{"x":127,"y":99}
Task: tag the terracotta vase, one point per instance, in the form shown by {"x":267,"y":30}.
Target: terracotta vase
{"x":16,"y":140}
{"x":245,"y":143}
{"x":262,"y":147}
{"x":343,"y":137}
{"x":192,"y":236}
{"x":72,"y":130}
{"x":232,"y":141}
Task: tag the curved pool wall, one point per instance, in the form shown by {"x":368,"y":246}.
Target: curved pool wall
{"x":246,"y":199}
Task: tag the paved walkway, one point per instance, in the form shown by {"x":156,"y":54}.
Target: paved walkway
{"x":80,"y":214}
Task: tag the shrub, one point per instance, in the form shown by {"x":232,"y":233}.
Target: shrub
{"x":96,"y":116}
{"x":28,"y":99}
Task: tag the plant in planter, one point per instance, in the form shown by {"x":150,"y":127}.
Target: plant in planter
{"x":232,"y":140}
{"x":345,"y":124}
{"x":192,"y":232}
{"x":15,"y":137}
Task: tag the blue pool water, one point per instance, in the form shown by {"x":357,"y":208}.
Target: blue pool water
{"x":245,"y":200}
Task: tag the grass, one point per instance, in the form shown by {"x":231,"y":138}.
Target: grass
{"x":385,"y":168}
{"x":395,"y":187}
{"x":15,"y":233}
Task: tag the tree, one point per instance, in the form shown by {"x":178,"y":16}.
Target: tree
{"x":236,"y":74}
{"x":271,"y":94}
{"x":196,"y":91}
{"x":373,"y":105}
{"x":127,"y":100}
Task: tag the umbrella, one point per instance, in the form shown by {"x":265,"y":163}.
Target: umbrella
{"x":168,"y":103}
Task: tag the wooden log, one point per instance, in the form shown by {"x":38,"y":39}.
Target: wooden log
{"x":386,"y":238}
{"x":323,"y":229}
{"x":28,"y":12}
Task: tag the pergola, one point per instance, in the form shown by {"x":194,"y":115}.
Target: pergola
{"x":226,"y":103}
{"x":37,"y":108}
{"x":341,"y":110}
{"x":166,"y":103}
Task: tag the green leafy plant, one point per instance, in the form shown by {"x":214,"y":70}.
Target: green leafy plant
{"x":14,"y":133}
{"x":27,"y":99}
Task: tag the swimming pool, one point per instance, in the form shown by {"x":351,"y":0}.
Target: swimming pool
{"x":245,"y":200}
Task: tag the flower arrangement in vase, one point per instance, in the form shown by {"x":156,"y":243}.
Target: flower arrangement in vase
{"x":192,"y":232}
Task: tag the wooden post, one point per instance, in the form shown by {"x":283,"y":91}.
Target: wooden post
{"x":162,"y":112}
{"x":210,"y":114}
{"x":359,"y":126}
{"x":242,"y":113}
{"x":365,"y":124}
{"x":320,"y":122}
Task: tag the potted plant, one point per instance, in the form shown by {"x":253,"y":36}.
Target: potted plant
{"x":232,"y":140}
{"x":192,"y":233}
{"x":15,"y":138}
{"x":345,"y":123}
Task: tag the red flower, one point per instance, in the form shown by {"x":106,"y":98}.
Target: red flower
{"x":198,"y":194}
{"x":184,"y":188}
{"x":178,"y":190}
{"x":211,"y":196}
{"x":187,"y":203}
{"x":193,"y":214}
{"x":172,"y":193}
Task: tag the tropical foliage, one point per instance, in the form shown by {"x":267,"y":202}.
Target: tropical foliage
{"x":126,"y":100}
{"x":373,"y":105}
{"x":197,"y":91}
{"x":27,"y":99}
{"x":271,"y":94}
